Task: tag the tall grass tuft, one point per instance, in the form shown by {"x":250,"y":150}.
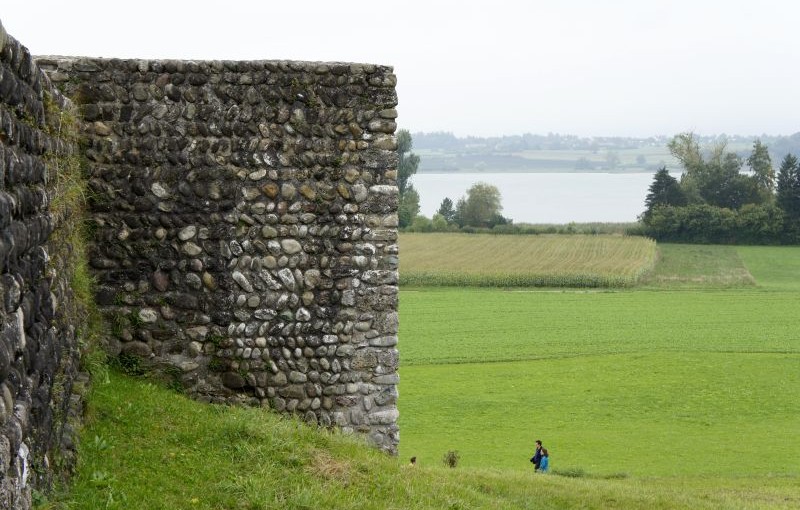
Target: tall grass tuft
{"x":66,"y":191}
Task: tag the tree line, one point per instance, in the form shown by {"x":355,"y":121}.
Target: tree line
{"x":723,"y":198}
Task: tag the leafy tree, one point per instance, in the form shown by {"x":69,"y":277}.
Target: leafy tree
{"x":408,"y":160}
{"x":409,"y":207}
{"x":482,"y":205}
{"x":421,"y":224}
{"x":439,"y":223}
{"x":759,"y":224}
{"x":761,"y":165}
{"x":447,"y":211}
{"x":717,"y":179}
{"x":686,"y":149}
{"x":697,"y":223}
{"x":665,"y":190}
{"x":703,"y":223}
{"x":461,"y":206}
{"x":723,"y":185}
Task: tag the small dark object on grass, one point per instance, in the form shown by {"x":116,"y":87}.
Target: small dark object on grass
{"x":451,"y":458}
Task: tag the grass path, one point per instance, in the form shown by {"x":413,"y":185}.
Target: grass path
{"x":699,"y":266}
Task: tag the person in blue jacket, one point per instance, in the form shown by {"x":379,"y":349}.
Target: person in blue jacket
{"x":544,"y":464}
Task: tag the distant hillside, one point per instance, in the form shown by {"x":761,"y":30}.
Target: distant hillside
{"x":444,"y":152}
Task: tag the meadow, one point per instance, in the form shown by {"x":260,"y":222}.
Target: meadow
{"x":678,"y":393}
{"x":694,"y":374}
{"x":148,"y":448}
{"x":524,"y":260}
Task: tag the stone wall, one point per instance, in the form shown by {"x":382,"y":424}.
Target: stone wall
{"x":39,"y":323}
{"x":246,"y":227}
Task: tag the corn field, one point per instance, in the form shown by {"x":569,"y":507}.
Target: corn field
{"x":524,"y":261}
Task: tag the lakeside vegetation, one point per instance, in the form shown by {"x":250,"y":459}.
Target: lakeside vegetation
{"x":724,"y":195}
{"x":716,"y":202}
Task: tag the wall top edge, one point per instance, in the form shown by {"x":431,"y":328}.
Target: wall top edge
{"x":144,"y":65}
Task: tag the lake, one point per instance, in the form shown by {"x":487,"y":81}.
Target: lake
{"x":545,"y":197}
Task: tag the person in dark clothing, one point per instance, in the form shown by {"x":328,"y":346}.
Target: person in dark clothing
{"x":537,"y":455}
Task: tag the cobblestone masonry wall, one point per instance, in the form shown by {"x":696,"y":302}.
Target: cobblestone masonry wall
{"x":246,"y":228}
{"x":39,"y":328}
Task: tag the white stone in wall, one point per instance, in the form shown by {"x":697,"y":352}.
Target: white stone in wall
{"x":159,"y":190}
{"x":187,"y":233}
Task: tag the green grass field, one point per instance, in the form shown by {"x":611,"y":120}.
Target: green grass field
{"x":148,"y":448}
{"x":524,"y":260}
{"x":694,"y":375}
{"x":681,"y":393}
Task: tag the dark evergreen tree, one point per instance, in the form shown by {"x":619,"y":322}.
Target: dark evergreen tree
{"x":447,"y":210}
{"x":788,"y":194}
{"x":665,"y":190}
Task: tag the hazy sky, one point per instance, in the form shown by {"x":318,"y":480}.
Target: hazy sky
{"x":585,"y":67}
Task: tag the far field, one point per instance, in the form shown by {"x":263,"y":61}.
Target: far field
{"x":524,"y":260}
{"x":694,"y":374}
{"x":642,"y":158}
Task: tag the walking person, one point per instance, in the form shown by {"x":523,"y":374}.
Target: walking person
{"x":544,"y":463}
{"x":537,"y":455}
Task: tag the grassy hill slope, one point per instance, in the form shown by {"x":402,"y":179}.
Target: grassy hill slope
{"x":149,"y":448}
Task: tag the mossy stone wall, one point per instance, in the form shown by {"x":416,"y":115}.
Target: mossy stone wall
{"x":42,"y":322}
{"x":245,"y":229}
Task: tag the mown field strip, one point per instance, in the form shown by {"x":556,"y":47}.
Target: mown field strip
{"x":703,"y":266}
{"x":459,"y":326}
{"x":544,"y":260}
